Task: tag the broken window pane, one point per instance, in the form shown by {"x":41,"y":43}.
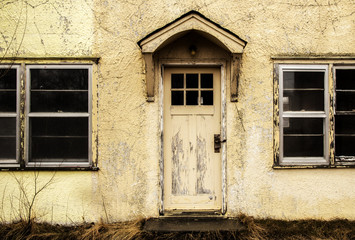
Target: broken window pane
{"x":60,"y":79}
{"x":177,"y":80}
{"x":191,"y":80}
{"x":59,"y":139}
{"x":206,"y":80}
{"x":303,"y":100}
{"x":206,"y":97}
{"x":303,"y":146}
{"x":345,"y":79}
{"x":177,"y":98}
{"x":303,"y":80}
{"x":345,"y":101}
{"x":191,"y":97}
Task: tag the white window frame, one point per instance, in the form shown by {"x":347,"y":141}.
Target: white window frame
{"x":309,"y":114}
{"x":14,"y":162}
{"x":29,"y":115}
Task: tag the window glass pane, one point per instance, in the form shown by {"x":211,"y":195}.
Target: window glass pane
{"x":191,"y":80}
{"x":300,"y":100}
{"x":303,"y":79}
{"x":345,"y":101}
{"x":7,"y":78}
{"x":303,"y":125}
{"x":345,"y":124}
{"x":69,"y":79}
{"x":59,"y":139}
{"x":177,"y":98}
{"x":8,"y":126}
{"x":191,"y":97}
{"x":7,"y":147}
{"x":177,"y":80}
{"x":206,"y":97}
{"x":345,"y":78}
{"x":8,"y":101}
{"x":51,"y":101}
{"x":206,"y":80}
{"x":59,"y":149}
{"x":303,"y":146}
{"x":344,"y":145}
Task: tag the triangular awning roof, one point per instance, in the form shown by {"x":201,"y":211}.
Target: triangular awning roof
{"x":192,"y":21}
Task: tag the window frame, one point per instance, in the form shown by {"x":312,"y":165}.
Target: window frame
{"x":14,"y":162}
{"x":340,"y":160}
{"x":29,"y":115}
{"x":304,"y":161}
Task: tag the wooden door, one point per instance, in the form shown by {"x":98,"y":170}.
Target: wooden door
{"x":192,"y":118}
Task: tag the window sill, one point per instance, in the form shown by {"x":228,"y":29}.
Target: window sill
{"x":49,"y":168}
{"x":335,"y":166}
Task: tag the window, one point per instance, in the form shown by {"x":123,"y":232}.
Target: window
{"x":9,"y":112}
{"x":192,"y":89}
{"x":303,"y":108}
{"x":344,"y":114}
{"x":56,"y":121}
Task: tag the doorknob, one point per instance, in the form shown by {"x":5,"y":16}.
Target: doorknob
{"x":217,"y":142}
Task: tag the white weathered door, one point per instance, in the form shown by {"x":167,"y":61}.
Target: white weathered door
{"x":192,"y":118}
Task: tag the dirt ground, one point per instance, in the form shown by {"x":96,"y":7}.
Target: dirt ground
{"x":253,"y":229}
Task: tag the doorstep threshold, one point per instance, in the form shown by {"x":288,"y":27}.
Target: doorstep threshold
{"x":193,"y":224}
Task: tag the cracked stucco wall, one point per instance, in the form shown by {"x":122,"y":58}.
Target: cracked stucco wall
{"x":127,"y":184}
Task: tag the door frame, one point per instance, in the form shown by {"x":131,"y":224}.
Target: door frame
{"x":222,"y":64}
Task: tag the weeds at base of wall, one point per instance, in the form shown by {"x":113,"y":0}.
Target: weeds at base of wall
{"x":133,"y":230}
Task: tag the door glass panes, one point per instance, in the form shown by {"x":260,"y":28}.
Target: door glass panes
{"x":192,"y":89}
{"x":303,"y":91}
{"x":59,"y":90}
{"x":345,"y":112}
{"x":8,"y":113}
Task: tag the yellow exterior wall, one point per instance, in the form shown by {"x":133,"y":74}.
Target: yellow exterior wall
{"x":127,"y":127}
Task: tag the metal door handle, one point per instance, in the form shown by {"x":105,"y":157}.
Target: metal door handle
{"x":218,"y":142}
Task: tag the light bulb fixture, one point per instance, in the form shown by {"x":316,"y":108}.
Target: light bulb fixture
{"x":192,"y":50}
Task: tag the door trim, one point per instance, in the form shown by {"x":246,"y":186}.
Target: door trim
{"x":178,"y":63}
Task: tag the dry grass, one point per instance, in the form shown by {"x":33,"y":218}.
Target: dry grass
{"x":254,"y":229}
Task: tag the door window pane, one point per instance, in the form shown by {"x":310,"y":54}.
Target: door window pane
{"x":206,"y":80}
{"x":206,"y":97}
{"x":177,"y":98}
{"x":177,"y":80}
{"x":191,"y":80}
{"x":191,"y":97}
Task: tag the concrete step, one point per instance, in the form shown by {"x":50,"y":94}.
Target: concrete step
{"x":193,"y":224}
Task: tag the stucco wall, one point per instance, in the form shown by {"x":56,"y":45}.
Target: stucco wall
{"x":127,"y":127}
